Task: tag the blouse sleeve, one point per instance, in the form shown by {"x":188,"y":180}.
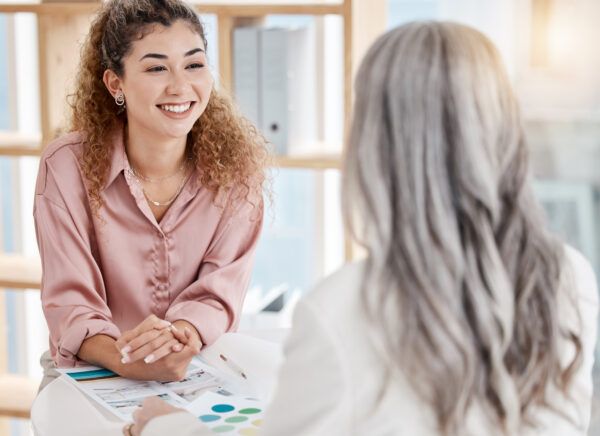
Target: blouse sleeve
{"x":213,"y":302}
{"x":73,"y":294}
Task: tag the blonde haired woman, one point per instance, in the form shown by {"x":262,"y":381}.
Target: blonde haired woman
{"x":148,"y":213}
{"x":467,"y":317}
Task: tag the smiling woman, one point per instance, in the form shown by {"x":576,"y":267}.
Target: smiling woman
{"x":165,"y":86}
{"x":148,"y":213}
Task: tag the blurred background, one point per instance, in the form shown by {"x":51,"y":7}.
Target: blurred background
{"x":549,"y":50}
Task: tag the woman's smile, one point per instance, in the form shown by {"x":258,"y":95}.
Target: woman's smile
{"x":177,"y":110}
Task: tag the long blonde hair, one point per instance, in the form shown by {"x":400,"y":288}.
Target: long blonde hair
{"x":462,"y":276}
{"x":231,"y":153}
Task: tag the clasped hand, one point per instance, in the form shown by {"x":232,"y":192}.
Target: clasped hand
{"x":166,"y":348}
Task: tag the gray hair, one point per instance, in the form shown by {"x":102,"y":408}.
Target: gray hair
{"x":461,"y":276}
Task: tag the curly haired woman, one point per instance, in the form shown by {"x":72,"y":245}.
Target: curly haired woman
{"x":148,"y":213}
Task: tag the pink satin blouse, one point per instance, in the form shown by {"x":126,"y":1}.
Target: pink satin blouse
{"x":105,"y":276}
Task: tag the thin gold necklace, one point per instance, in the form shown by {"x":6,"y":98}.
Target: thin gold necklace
{"x":154,"y":202}
{"x":148,"y":179}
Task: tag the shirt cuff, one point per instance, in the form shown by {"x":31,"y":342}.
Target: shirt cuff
{"x":180,"y":423}
{"x":210,"y":318}
{"x":72,"y":338}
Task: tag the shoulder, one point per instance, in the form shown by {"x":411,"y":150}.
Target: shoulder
{"x":68,"y":144}
{"x":578,"y":297}
{"x":336,"y":299}
{"x":582,"y":273}
{"x":59,"y":163}
{"x":243,"y":199}
{"x":342,"y":284}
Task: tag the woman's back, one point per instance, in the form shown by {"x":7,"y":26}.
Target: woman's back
{"x":334,"y":374}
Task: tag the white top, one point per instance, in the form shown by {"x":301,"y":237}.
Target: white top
{"x":330,"y":379}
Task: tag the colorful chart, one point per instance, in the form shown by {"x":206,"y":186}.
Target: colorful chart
{"x":229,"y":415}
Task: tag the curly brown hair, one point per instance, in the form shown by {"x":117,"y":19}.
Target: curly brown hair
{"x":231,"y":153}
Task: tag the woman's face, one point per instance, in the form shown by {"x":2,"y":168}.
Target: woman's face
{"x":166,"y":82}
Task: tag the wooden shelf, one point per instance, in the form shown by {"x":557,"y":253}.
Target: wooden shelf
{"x":19,"y":272}
{"x":258,"y":9}
{"x":50,"y":8}
{"x":232,"y":8}
{"x":270,"y":3}
{"x":19,"y":144}
{"x":316,"y":162}
{"x":17,"y":393}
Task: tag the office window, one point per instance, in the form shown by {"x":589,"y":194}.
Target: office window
{"x":303,"y":237}
{"x":403,"y":11}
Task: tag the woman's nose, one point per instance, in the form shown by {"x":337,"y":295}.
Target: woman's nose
{"x":177,"y":83}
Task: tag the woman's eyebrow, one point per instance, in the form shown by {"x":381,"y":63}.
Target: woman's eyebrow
{"x":162,"y":56}
{"x":194,"y":51}
{"x":154,"y":55}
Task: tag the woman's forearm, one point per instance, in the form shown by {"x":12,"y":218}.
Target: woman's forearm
{"x":100,"y":350}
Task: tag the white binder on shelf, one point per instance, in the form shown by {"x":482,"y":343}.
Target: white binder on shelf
{"x":274,"y":83}
{"x":287,"y":88}
{"x":302,"y":90}
{"x":274,"y":90}
{"x":246,"y":82}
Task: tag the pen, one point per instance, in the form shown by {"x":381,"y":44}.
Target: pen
{"x":232,"y":365}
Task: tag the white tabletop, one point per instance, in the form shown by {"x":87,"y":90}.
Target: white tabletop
{"x":63,"y":410}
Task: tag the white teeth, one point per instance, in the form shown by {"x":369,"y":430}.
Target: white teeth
{"x":179,"y":108}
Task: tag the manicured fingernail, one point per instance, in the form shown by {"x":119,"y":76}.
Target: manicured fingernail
{"x":125,"y":359}
{"x":177,"y":347}
{"x":126,"y":350}
{"x":164,"y":323}
{"x":173,"y":328}
{"x":149,"y":358}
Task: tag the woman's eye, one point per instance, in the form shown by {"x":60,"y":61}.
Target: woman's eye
{"x":195,"y":65}
{"x":155,"y":69}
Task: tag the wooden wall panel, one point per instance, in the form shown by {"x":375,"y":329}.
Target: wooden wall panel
{"x":4,"y":422}
{"x":59,"y":38}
